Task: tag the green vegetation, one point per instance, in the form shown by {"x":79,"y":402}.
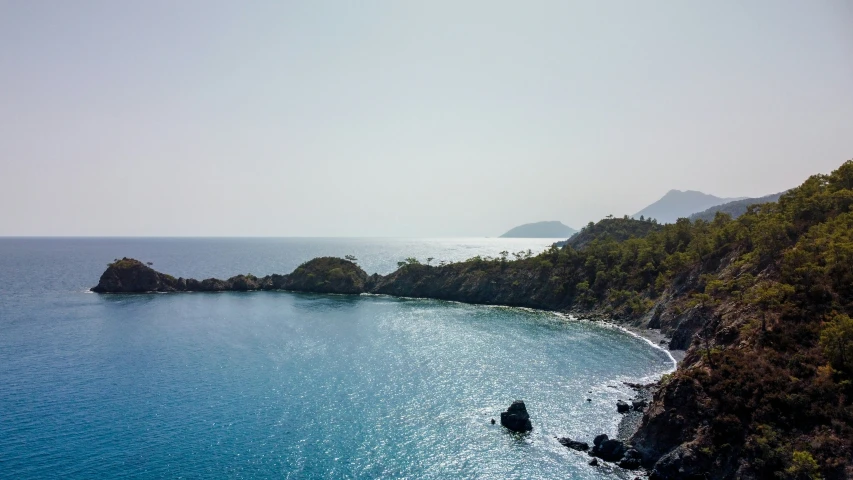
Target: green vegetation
{"x":617,"y":229}
{"x":734,"y":209}
{"x":772,"y":360}
{"x":409,"y":261}
{"x":125,"y":263}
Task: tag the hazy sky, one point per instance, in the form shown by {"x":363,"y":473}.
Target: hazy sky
{"x":395,"y":118}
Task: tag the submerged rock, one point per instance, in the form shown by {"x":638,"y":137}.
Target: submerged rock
{"x":568,"y":442}
{"x":516,"y":417}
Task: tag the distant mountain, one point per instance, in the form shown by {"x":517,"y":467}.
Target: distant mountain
{"x":540,"y":230}
{"x":735,"y":209}
{"x":677,"y":204}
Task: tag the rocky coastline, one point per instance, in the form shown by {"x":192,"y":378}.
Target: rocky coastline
{"x":332,"y":275}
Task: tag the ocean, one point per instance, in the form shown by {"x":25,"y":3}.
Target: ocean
{"x":287,"y":385}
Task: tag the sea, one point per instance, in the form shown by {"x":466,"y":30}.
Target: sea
{"x":289,"y":385}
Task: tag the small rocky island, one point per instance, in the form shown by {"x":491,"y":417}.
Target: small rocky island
{"x":516,"y":418}
{"x":551,"y":229}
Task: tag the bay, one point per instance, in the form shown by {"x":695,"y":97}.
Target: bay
{"x":276,"y":384}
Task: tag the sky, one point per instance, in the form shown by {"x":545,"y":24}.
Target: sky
{"x":404,"y":118}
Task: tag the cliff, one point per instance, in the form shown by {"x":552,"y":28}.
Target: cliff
{"x":762,"y":304}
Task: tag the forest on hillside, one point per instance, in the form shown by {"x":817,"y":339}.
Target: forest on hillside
{"x":770,"y":295}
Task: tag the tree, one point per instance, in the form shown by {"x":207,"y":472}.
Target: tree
{"x":803,"y":467}
{"x":408,"y":261}
{"x":429,"y":260}
{"x":351,"y":258}
{"x":836,"y":339}
{"x":767,"y":296}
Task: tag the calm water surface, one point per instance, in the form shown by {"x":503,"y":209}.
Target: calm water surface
{"x":272,"y":384}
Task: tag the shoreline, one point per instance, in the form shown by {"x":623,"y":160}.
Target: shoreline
{"x":328,"y":275}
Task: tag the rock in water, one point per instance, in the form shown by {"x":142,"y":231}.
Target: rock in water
{"x":608,"y":450}
{"x":631,"y":461}
{"x":568,"y":442}
{"x":129,"y":275}
{"x":516,"y":418}
{"x":622,"y":407}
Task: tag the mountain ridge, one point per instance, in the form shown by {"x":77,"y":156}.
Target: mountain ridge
{"x":677,"y":204}
{"x":734,"y":208}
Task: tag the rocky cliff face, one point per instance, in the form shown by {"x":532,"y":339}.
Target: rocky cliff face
{"x":132,"y":276}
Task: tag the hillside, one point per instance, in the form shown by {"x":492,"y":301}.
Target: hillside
{"x":680,"y":204}
{"x":763,"y":304}
{"x":734,"y":209}
{"x":615,"y":229}
{"x":551,"y":229}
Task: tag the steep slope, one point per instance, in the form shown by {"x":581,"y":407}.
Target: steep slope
{"x":680,"y":204}
{"x":735,"y":208}
{"x":553,"y":229}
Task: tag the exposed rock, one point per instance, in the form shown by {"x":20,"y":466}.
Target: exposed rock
{"x":632,"y":460}
{"x":609,"y":450}
{"x":594,"y":462}
{"x":320,"y":275}
{"x":516,"y":417}
{"x":327,"y":275}
{"x":680,"y":463}
{"x":243,"y":283}
{"x":568,"y":442}
{"x":639,"y":405}
{"x":672,"y":419}
{"x":129,"y":275}
{"x":598,"y":439}
{"x":622,"y":407}
{"x":688,"y":324}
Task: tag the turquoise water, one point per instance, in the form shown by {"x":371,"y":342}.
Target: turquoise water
{"x":274,"y":384}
